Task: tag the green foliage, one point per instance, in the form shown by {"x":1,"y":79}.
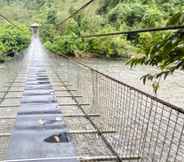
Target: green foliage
{"x":51,"y":18}
{"x":153,"y":16}
{"x":13,"y":39}
{"x":167,"y":53}
{"x":129,"y":13}
{"x":68,"y":45}
{"x":110,"y":16}
{"x":115,"y":47}
{"x":161,"y":49}
{"x":147,"y":40}
{"x":105,"y":5}
{"x":100,"y":17}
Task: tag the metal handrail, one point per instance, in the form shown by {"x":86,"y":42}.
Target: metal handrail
{"x":174,"y":107}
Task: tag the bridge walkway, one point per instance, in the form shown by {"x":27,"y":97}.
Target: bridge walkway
{"x":40,"y":119}
{"x":96,"y":117}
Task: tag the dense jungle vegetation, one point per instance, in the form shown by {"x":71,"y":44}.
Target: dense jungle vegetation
{"x":101,"y":16}
{"x":163,"y":49}
{"x":12,"y":40}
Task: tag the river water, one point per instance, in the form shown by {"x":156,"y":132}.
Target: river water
{"x":129,"y":125}
{"x":171,"y":89}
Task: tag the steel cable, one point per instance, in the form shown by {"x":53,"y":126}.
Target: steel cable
{"x":11,"y":23}
{"x":176,"y":27}
{"x":76,"y":12}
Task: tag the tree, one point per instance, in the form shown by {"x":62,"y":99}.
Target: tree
{"x":167,"y":54}
{"x":51,"y":17}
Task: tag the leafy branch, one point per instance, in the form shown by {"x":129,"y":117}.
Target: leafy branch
{"x":167,"y":54}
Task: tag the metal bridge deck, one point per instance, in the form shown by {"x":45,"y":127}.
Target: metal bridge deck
{"x":41,"y":121}
{"x":38,"y":120}
{"x":92,"y":116}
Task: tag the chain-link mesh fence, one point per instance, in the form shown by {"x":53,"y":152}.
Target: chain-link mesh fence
{"x":144,"y":128}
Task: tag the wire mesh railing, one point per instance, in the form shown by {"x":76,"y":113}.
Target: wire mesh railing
{"x":145,"y":128}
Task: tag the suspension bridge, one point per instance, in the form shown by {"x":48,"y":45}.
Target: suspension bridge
{"x":56,"y":109}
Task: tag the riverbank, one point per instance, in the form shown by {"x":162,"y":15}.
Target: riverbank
{"x":171,"y":89}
